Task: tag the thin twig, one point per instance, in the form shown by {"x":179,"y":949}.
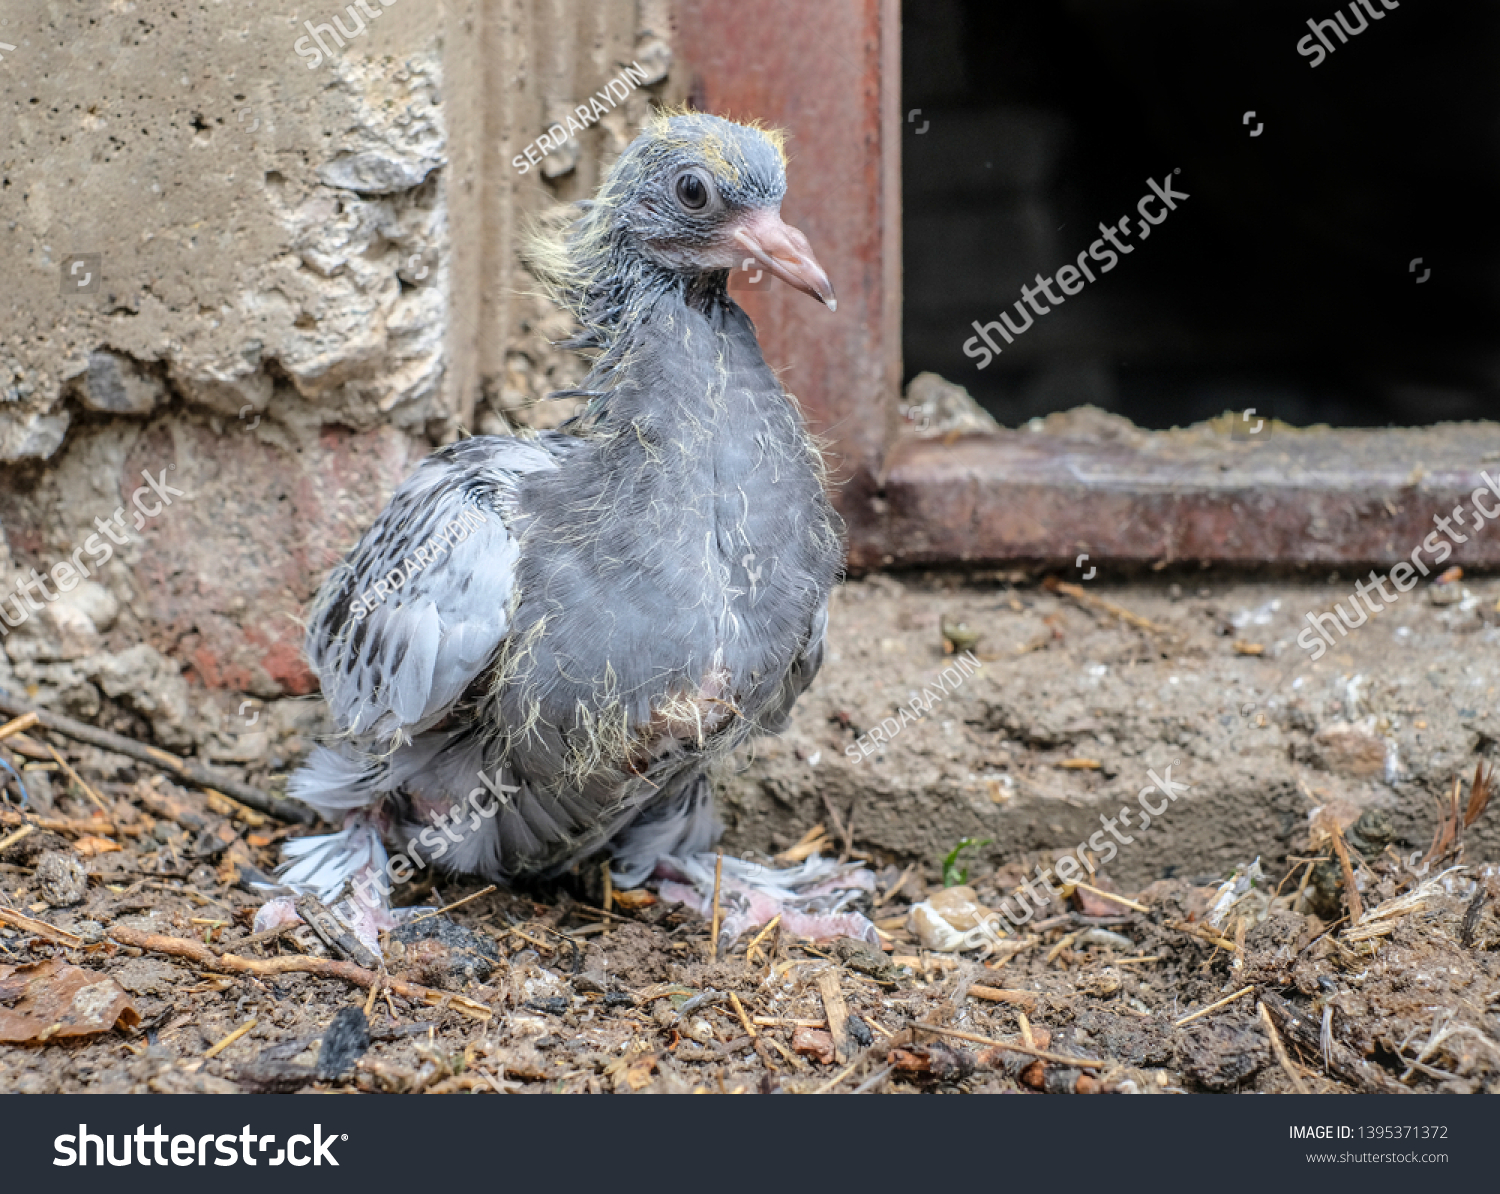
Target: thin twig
{"x":188,"y":769}
{"x":18,"y":725}
{"x":1089,"y":601}
{"x":1302,"y":887}
{"x":761,"y":936}
{"x":1022,"y":999}
{"x":230,"y":807}
{"x":230,"y":1039}
{"x":1082,"y":1063}
{"x":78,"y":779}
{"x":449,"y":908}
{"x":201,"y":954}
{"x":1279,"y":1049}
{"x":812,"y":841}
{"x":788,"y":1022}
{"x":1479,"y":792}
{"x":1212,"y":1007}
{"x":845,"y":829}
{"x":837,"y":1078}
{"x":73,"y":825}
{"x":1351,"y":890}
{"x":1112,"y":898}
{"x":1203,"y":933}
{"x":714,"y":927}
{"x":41,"y":928}
{"x":896,"y":886}
{"x":739,"y":1010}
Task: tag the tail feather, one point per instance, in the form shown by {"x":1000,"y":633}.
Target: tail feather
{"x":324,"y":864}
{"x":335,"y":780}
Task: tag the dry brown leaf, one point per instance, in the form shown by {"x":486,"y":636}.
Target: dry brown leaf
{"x":816,"y":1043}
{"x":634,"y":900}
{"x":52,"y":1000}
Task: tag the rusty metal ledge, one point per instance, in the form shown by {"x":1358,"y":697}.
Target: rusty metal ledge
{"x":1297,"y":497}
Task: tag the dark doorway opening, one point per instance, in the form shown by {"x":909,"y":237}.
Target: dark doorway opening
{"x":1287,"y":281}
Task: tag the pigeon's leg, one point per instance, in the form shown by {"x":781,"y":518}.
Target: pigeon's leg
{"x":345,"y":870}
{"x":670,"y":838}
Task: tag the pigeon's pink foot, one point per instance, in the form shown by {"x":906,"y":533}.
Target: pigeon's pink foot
{"x":813,"y":898}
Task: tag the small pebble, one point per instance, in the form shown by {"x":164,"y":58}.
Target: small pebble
{"x":942,"y":922}
{"x":590,"y":982}
{"x":815,"y":1043}
{"x":701,"y":1030}
{"x":62,"y":877}
{"x":441,"y":953}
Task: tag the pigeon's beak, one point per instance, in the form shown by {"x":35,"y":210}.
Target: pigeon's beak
{"x":784,"y":251}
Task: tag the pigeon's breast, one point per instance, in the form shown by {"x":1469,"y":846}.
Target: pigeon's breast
{"x":675,"y":617}
{"x":672,"y":566}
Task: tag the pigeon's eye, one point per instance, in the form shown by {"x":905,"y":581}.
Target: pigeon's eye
{"x":692,"y":191}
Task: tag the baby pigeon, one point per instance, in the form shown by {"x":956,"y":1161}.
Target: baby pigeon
{"x":544,"y":642}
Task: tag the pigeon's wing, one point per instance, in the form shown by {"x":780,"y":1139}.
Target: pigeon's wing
{"x":418,"y":609}
{"x":800,"y":675}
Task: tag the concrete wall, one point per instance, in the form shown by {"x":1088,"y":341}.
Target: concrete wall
{"x":272,"y":278}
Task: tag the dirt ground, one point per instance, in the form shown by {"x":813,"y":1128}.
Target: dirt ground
{"x":1378,"y":974}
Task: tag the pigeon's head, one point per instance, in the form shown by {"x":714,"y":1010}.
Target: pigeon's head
{"x":693,"y":195}
{"x":699,"y":194}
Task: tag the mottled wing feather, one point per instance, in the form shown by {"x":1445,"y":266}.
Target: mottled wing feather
{"x":418,"y":609}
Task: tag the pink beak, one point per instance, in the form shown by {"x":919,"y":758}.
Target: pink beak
{"x":784,"y":251}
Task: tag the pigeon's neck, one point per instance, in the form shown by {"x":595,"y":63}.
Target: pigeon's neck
{"x":686,"y":369}
{"x":627,"y":292}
